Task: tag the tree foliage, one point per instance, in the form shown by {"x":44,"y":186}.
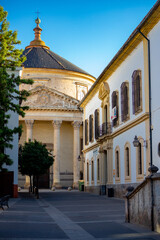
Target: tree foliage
{"x":10,"y":96}
{"x":34,"y":160}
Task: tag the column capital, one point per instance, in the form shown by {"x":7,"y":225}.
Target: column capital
{"x":76,"y":124}
{"x":57,"y":123}
{"x":29,"y":123}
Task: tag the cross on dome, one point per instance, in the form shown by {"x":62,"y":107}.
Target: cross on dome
{"x":37,"y":42}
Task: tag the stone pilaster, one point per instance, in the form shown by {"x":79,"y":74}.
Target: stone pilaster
{"x":56,"y":142}
{"x":76,"y":152}
{"x":29,"y":128}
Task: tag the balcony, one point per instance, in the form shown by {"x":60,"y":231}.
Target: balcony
{"x":105,"y":129}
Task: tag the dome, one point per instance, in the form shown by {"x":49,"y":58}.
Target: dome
{"x":40,"y":56}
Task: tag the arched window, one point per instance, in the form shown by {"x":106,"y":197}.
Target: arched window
{"x":91,"y":136}
{"x":87,"y":172}
{"x":140,"y":159}
{"x":98,"y":170}
{"x":115,"y":108}
{"x":137,"y":91}
{"x":96,"y":123}
{"x":127,"y":162}
{"x":124,"y":101}
{"x":92,"y":170}
{"x":117,"y":165}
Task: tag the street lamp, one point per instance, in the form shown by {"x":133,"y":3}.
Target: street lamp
{"x":81,"y":158}
{"x":136,"y":142}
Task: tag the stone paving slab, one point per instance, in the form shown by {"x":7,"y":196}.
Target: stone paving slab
{"x":68,"y":215}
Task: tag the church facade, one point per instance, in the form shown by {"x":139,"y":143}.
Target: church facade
{"x":117,"y":112}
{"x":54,"y":117}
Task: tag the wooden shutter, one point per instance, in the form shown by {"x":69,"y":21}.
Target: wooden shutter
{"x":90,"y":128}
{"x":86,"y":132}
{"x":115,"y":104}
{"x":122,"y":102}
{"x":134,"y":92}
{"x":96,"y":123}
{"x":138,"y":92}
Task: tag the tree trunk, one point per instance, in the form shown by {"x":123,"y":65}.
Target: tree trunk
{"x":37,"y":177}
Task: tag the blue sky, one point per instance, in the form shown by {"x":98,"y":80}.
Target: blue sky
{"x":87,"y":33}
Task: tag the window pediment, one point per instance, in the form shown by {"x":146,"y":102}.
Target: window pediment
{"x":103,"y":90}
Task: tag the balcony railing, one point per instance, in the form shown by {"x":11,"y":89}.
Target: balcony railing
{"x":105,"y":128}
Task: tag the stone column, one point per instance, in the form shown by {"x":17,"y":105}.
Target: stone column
{"x":56,"y":142}
{"x":29,"y":128}
{"x":76,"y":152}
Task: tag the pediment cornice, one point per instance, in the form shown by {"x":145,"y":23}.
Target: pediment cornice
{"x":43,"y":97}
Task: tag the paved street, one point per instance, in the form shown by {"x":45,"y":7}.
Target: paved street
{"x":68,"y":215}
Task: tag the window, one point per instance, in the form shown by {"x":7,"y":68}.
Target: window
{"x":117,"y":164}
{"x":86,"y":132}
{"x":127,"y":162}
{"x":91,"y":128}
{"x":98,"y":170}
{"x":140,"y":158}
{"x":124,"y":101}
{"x":115,"y":105}
{"x":87,"y":172}
{"x":137,"y":91}
{"x":92,"y":168}
{"x":96,"y":123}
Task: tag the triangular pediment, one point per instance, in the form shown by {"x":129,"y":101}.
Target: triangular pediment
{"x":43,"y":97}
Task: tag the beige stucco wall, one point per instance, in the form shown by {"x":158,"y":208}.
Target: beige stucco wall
{"x":43,"y":131}
{"x":64,"y":81}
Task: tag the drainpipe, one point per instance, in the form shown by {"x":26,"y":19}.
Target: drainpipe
{"x":150,"y":131}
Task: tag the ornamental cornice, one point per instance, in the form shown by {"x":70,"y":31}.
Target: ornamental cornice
{"x":53,"y":109}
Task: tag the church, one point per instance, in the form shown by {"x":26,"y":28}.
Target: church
{"x":54,"y":117}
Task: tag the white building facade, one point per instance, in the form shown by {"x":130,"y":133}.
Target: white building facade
{"x":116,"y":109}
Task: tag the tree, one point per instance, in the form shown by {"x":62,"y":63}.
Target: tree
{"x":10,"y":96}
{"x":34,"y":160}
